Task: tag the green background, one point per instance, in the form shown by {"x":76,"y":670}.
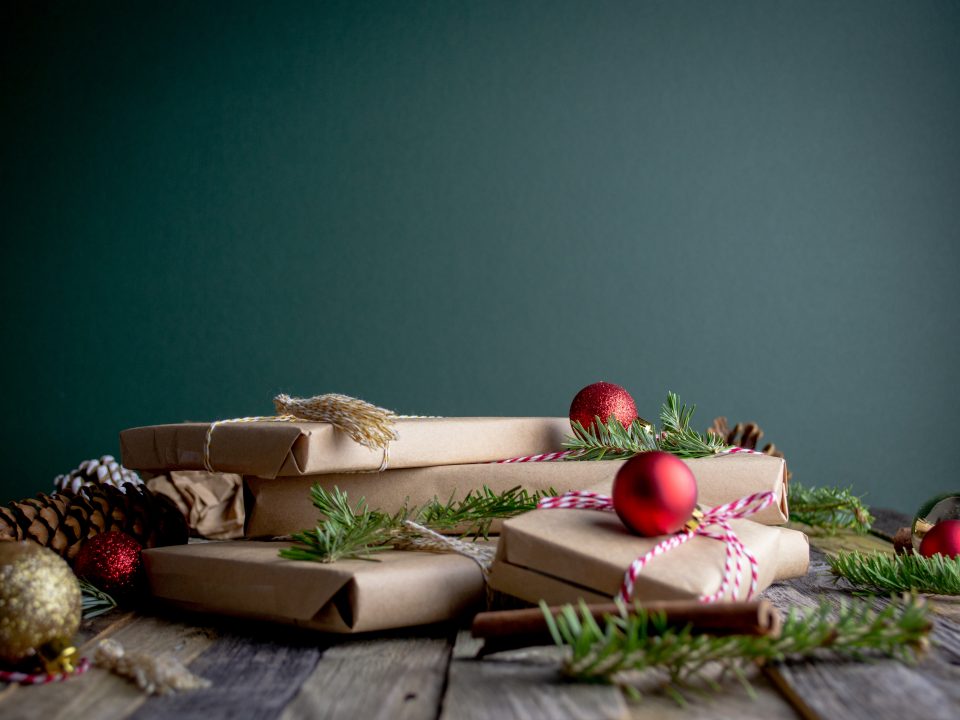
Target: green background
{"x":479,"y":207}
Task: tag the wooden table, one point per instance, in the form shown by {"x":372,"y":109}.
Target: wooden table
{"x":261,"y":671}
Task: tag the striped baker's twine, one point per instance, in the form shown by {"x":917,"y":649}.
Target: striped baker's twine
{"x":564,"y":454}
{"x":719,"y":516}
{"x":21,"y":678}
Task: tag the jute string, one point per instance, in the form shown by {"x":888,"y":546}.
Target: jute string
{"x":367,"y":424}
{"x":433,"y":541}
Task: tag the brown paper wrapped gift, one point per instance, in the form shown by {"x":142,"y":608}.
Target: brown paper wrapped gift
{"x":282,"y":506}
{"x":212,"y":503}
{"x":291,"y":449}
{"x":247,"y":578}
{"x":564,"y":555}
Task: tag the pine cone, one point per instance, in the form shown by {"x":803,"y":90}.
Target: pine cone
{"x":63,"y":522}
{"x":105,"y":471}
{"x":745,"y":435}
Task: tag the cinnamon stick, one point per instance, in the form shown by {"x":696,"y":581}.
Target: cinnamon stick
{"x":510,"y":629}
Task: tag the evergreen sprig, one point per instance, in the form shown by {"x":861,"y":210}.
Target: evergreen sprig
{"x":93,"y":601}
{"x":355,"y":531}
{"x":637,"y":641}
{"x":939,"y":574}
{"x":679,"y":438}
{"x":828,"y":508}
{"x":610,"y":440}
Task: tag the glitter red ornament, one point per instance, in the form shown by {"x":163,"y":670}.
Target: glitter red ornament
{"x":111,"y":562}
{"x":602,"y":400}
{"x":654,"y":493}
{"x":942,"y":538}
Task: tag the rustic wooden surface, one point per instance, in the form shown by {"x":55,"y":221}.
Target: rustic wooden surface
{"x":264,"y":671}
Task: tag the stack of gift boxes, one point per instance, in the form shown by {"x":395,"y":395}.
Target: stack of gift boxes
{"x":555,"y":555}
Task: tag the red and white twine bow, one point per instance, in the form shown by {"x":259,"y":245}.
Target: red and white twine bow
{"x":22,"y":678}
{"x":719,"y":517}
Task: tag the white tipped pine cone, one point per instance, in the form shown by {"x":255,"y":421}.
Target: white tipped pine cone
{"x":104,"y":471}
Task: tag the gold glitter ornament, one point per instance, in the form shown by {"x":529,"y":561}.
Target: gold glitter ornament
{"x":39,"y":605}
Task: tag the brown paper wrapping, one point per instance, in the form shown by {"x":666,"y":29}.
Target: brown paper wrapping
{"x":248,"y":579}
{"x":564,"y":555}
{"x":281,"y":449}
{"x":282,"y":506}
{"x":212,"y":503}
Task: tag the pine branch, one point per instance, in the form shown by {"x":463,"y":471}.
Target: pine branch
{"x":477,"y":510}
{"x":610,"y":440}
{"x":93,"y":601}
{"x":828,"y":508}
{"x":679,"y":438}
{"x":346,"y":531}
{"x":637,"y":641}
{"x":939,"y":575}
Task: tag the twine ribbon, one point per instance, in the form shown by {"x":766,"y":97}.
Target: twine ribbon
{"x":719,"y":517}
{"x":367,"y":424}
{"x":433,"y":541}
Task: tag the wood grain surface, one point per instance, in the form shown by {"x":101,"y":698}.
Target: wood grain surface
{"x":264,"y":672}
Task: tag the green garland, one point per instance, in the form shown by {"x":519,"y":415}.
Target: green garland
{"x":880,"y":572}
{"x":828,"y":508}
{"x":637,"y":641}
{"x":610,"y":440}
{"x":355,"y":531}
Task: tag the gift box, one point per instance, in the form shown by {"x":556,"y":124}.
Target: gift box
{"x":292,"y":449}
{"x":281,"y":506}
{"x":564,"y":555}
{"x":248,"y":579}
{"x":212,"y":503}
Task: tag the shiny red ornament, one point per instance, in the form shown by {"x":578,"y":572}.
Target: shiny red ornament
{"x":111,"y":562}
{"x":943,"y":538}
{"x":602,"y":400}
{"x":654,"y":493}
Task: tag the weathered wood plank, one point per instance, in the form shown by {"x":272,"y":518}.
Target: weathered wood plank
{"x":883,"y":690}
{"x":376,"y":678}
{"x":872,"y":691}
{"x":732,"y":702}
{"x":100,"y":695}
{"x":254,"y":672}
{"x":522,"y":685}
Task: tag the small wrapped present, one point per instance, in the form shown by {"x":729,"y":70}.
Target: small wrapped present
{"x":562,"y":555}
{"x":281,"y":506}
{"x":248,"y":579}
{"x":273,"y":447}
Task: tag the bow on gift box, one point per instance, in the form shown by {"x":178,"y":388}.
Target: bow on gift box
{"x":368,"y":424}
{"x":713,"y":523}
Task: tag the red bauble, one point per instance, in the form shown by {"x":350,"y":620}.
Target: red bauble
{"x":111,"y":562}
{"x":654,"y":493}
{"x":602,"y":400}
{"x":943,"y":538}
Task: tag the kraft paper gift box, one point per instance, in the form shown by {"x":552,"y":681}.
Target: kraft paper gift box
{"x":564,"y":555}
{"x":293,"y":449}
{"x":282,"y":506}
{"x":245,"y":578}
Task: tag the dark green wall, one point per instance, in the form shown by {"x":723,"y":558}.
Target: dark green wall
{"x":479,"y":207}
